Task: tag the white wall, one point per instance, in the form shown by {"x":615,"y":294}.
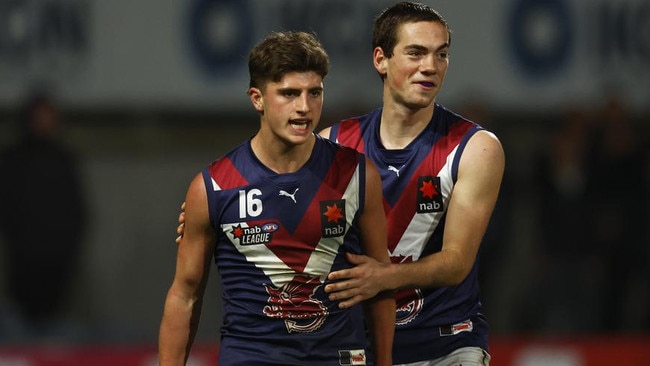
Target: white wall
{"x":142,"y":53}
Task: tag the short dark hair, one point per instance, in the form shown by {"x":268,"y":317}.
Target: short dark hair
{"x":283,"y":52}
{"x":384,"y":34}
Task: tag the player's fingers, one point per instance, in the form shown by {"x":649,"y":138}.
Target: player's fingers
{"x":333,"y":287}
{"x":341,"y":295}
{"x":339,"y":275}
{"x":337,"y":291}
{"x":350,"y":302}
{"x":178,"y":239}
{"x":180,"y":228}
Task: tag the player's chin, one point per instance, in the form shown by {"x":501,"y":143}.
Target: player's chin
{"x":419,"y":102}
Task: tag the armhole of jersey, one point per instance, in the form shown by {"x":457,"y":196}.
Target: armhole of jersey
{"x":334,"y":131}
{"x":459,"y":151}
{"x":362,"y":182}
{"x":209,"y":191}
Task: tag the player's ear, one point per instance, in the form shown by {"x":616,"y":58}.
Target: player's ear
{"x":257,"y":99}
{"x":379,"y":60}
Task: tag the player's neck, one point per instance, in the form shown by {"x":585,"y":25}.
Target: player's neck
{"x":400,"y":125}
{"x":279,"y":156}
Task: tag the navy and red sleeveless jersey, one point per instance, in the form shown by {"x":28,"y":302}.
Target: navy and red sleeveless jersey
{"x":278,"y":236}
{"x":417,"y":184}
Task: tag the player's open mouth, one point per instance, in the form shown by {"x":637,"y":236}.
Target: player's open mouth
{"x":427,"y":84}
{"x":299,"y":125}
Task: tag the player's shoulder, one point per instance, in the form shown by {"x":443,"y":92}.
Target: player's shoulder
{"x":333,"y":145}
{"x":231,"y":169}
{"x":482,"y":144}
{"x":485,"y":138}
{"x":360,"y":119}
{"x":484,"y":147}
{"x":477,"y":131}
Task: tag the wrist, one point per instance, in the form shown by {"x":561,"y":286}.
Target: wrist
{"x":390,"y":282}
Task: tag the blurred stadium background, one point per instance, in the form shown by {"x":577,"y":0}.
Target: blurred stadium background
{"x":152,"y":91}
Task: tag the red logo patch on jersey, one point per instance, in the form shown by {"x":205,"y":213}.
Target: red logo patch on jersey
{"x":409,"y":301}
{"x":352,"y":357}
{"x":429,"y":195}
{"x":451,"y":330}
{"x":332,"y":218}
{"x":296,"y":305}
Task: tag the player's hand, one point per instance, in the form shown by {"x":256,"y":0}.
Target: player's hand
{"x":355,"y":284}
{"x":180,"y":229}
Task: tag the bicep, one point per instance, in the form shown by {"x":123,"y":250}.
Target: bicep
{"x":373,"y":219}
{"x":196,"y":247}
{"x":474,"y":195}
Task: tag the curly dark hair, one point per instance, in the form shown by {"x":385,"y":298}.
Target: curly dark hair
{"x":283,"y":52}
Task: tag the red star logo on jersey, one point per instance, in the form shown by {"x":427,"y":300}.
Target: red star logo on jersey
{"x":428,"y":189}
{"x":333,"y":213}
{"x":237,"y":231}
{"x":333,"y":218}
{"x":429,"y":196}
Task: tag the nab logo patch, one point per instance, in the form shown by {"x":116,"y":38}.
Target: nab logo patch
{"x":332,"y":218}
{"x":429,"y":195}
{"x":352,"y":357}
{"x":253,"y":235}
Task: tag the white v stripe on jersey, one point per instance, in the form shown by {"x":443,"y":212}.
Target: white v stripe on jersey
{"x":261,"y":255}
{"x":215,"y":186}
{"x":328,"y":247}
{"x":413,"y":240}
{"x":320,"y":261}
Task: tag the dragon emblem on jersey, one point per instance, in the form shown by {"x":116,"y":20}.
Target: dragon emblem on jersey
{"x":295,"y":303}
{"x":333,"y":218}
{"x":409,"y":301}
{"x":429,"y":196}
{"x":409,"y":305}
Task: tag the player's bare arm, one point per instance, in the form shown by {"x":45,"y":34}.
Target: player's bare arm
{"x":379,"y":310}
{"x":470,"y":207}
{"x":184,"y":298}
